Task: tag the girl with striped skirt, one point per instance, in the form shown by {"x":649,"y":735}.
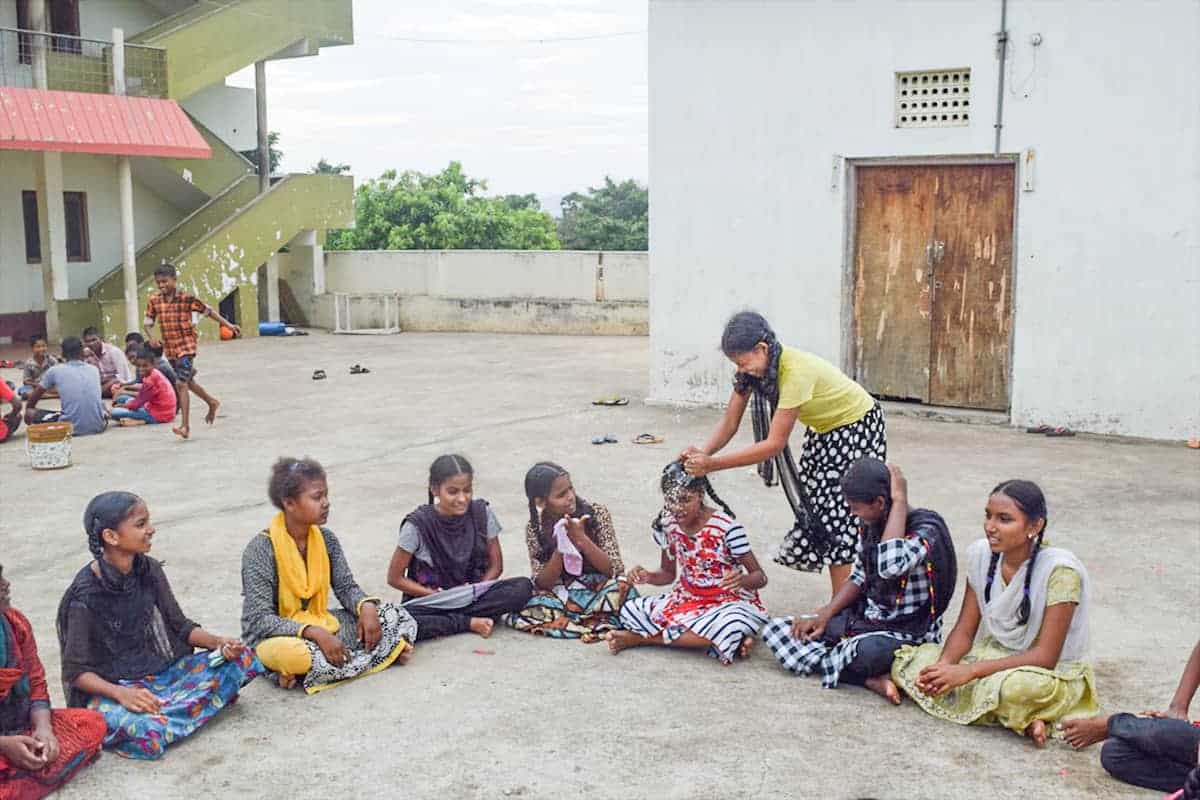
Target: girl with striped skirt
{"x":715,"y":605}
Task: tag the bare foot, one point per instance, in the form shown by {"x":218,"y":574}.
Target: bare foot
{"x":882,"y":685}
{"x":1085,"y":731}
{"x":183,"y":431}
{"x":482,"y":625}
{"x":286,"y":681}
{"x":747,"y":647}
{"x":1037,"y":732}
{"x":622,"y":640}
{"x":405,"y":655}
{"x":211,"y":416}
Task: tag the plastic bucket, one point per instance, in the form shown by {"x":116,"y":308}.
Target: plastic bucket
{"x":49,"y":445}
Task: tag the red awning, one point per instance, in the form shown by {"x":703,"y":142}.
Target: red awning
{"x":108,"y":124}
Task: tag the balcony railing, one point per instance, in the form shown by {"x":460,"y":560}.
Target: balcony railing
{"x":76,"y":64}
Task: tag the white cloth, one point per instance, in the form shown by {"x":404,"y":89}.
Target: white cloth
{"x":1000,"y":615}
{"x":572,"y":558}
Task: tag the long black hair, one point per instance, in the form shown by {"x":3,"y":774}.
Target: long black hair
{"x":106,"y":511}
{"x":744,"y":331}
{"x":675,"y":478}
{"x":446,"y":467}
{"x":866,"y":480}
{"x":1029,"y":498}
{"x":538,"y":482}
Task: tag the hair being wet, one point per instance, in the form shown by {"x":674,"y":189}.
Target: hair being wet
{"x":675,"y":480}
{"x":1029,"y":498}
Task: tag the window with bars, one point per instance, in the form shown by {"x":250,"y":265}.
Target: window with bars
{"x":79,"y":246}
{"x":938,"y":98}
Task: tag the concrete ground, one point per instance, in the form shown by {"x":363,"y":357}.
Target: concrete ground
{"x":541,"y":718}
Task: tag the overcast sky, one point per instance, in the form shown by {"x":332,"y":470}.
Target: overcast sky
{"x":545,"y":117}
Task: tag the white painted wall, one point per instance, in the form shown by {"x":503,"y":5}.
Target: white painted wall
{"x":753,"y":102}
{"x":96,"y":175}
{"x":227,"y":111}
{"x":97,"y":18}
{"x":489,"y":274}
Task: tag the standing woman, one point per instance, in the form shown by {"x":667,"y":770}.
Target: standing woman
{"x":844,"y":424}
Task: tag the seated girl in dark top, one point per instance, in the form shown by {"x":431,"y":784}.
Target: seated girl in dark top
{"x":448,"y":560}
{"x":128,"y":650}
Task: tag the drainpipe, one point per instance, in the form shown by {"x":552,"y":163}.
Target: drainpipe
{"x":125,"y":189}
{"x":260,"y":104}
{"x":1001,"y":54}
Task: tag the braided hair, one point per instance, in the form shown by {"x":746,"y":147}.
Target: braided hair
{"x":106,"y":511}
{"x":538,"y":482}
{"x":446,"y":467}
{"x":743,"y":332}
{"x":1191,"y":786}
{"x":1029,"y":498}
{"x":675,"y":478}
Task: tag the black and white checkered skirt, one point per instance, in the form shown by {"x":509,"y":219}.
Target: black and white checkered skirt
{"x":823,"y":461}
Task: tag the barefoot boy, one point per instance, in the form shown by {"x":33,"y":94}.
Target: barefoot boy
{"x":172,"y":310}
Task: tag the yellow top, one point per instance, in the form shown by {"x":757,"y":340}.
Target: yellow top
{"x":303,"y":587}
{"x":1065,"y":586}
{"x":825,"y":398}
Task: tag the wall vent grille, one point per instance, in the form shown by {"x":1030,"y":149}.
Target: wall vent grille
{"x":939,"y":98}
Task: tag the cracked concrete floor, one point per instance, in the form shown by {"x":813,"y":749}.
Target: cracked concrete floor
{"x":543,"y":718}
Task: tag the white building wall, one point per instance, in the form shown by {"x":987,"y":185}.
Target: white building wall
{"x":21,"y":283}
{"x":754,"y":103}
{"x":227,"y":111}
{"x":97,"y":18}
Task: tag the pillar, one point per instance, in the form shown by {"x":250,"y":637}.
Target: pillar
{"x":125,"y":194}
{"x":264,"y":146}
{"x":271,"y":287}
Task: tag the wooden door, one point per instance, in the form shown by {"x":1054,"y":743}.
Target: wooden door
{"x":972,"y":289}
{"x":932,"y":293}
{"x":893,"y":226}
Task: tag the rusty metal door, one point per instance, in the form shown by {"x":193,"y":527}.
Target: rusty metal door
{"x":932,"y":293}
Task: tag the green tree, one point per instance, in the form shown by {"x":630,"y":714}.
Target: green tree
{"x":323,"y":167}
{"x":446,"y":211}
{"x":275,"y":154}
{"x":615,"y":216}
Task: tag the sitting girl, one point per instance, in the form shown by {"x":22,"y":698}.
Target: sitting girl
{"x":288,"y":572}
{"x":448,"y":560}
{"x":1015,"y":656}
{"x":573,"y":557}
{"x":128,"y":649}
{"x":40,"y":749}
{"x":715,"y":604}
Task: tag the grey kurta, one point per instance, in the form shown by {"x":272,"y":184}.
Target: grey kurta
{"x":260,"y":592}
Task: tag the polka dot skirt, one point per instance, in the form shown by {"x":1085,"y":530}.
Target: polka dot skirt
{"x":823,"y":461}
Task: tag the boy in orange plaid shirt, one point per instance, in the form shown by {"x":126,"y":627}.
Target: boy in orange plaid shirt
{"x":172,"y":309}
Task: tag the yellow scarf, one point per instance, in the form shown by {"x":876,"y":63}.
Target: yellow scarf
{"x":297,"y":583}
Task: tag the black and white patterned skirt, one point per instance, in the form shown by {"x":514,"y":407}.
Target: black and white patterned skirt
{"x":823,"y":461}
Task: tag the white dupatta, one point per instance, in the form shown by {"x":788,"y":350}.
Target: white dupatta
{"x":1000,"y":615}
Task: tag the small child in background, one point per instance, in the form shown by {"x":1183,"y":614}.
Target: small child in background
{"x":714,"y":606}
{"x":155,"y":401}
{"x":36,"y":366}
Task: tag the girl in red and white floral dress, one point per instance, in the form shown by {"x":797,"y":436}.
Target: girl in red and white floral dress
{"x":715,"y":605}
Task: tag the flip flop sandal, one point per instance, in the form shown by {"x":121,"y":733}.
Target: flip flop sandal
{"x":611,"y":438}
{"x":357,"y":370}
{"x":319,"y":375}
{"x":648,"y":438}
{"x":1060,"y":432}
{"x":1040,"y":429}
{"x":613,"y":400}
{"x":599,"y":440}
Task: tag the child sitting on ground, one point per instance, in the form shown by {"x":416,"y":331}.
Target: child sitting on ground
{"x":574,"y":560}
{"x":448,"y":560}
{"x":155,"y":401}
{"x":36,"y":366}
{"x":715,"y":605}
